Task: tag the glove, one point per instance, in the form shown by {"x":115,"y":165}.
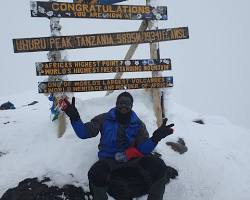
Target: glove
{"x":128,"y":154}
{"x":71,"y":110}
{"x":162,"y":132}
{"x":133,"y":152}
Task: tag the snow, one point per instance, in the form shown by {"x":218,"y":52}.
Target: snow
{"x":216,"y":165}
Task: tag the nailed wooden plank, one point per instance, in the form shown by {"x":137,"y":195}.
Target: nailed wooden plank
{"x":96,"y":11}
{"x":103,"y":85}
{"x":101,"y":66}
{"x":98,"y":40}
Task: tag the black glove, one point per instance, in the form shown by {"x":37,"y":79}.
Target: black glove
{"x":71,"y":110}
{"x":162,"y":132}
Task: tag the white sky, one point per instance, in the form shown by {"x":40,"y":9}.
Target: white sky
{"x":211,"y":69}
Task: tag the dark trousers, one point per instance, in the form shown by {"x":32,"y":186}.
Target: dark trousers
{"x":100,"y":173}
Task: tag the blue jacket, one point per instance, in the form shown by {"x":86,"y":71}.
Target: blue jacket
{"x":114,"y":136}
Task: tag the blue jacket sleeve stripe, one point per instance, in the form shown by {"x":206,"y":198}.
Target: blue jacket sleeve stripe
{"x":80,"y":129}
{"x":146,"y":147}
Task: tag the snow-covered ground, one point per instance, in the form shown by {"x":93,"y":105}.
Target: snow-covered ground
{"x":215,"y":167}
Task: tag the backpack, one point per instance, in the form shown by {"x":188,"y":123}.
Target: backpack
{"x":128,"y":182}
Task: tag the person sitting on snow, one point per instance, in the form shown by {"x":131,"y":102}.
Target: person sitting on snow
{"x":124,"y":142}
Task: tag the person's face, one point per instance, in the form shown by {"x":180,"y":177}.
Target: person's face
{"x":124,"y":105}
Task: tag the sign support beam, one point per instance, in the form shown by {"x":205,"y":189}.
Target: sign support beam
{"x":130,"y":52}
{"x":156,"y":92}
{"x":57,"y":56}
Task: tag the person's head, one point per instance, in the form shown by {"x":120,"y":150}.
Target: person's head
{"x":124,"y":104}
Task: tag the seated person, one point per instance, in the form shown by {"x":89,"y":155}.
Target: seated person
{"x":124,"y":143}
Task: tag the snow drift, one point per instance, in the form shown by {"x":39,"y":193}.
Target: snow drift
{"x":216,"y":165}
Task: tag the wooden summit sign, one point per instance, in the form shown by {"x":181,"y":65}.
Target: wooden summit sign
{"x":55,"y":43}
{"x":102,"y":66}
{"x":103,"y":85}
{"x":97,"y":11}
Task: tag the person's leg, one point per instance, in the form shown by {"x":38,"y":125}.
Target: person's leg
{"x":119,"y":182}
{"x":156,"y":169}
{"x":157,"y":189}
{"x":98,"y":176}
{"x":99,"y":193}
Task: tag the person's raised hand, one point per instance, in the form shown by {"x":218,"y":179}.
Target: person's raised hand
{"x":70,"y":109}
{"x":163,"y":131}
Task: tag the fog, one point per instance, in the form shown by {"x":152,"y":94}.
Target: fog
{"x":211,"y":70}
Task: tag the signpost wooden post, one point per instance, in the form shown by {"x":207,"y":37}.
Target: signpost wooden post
{"x":57,"y":56}
{"x":156,"y":93}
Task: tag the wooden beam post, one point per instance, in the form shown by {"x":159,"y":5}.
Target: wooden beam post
{"x":57,"y":56}
{"x":130,"y":52}
{"x":155,"y":54}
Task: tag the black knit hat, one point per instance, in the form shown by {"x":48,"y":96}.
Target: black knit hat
{"x":125,"y":94}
